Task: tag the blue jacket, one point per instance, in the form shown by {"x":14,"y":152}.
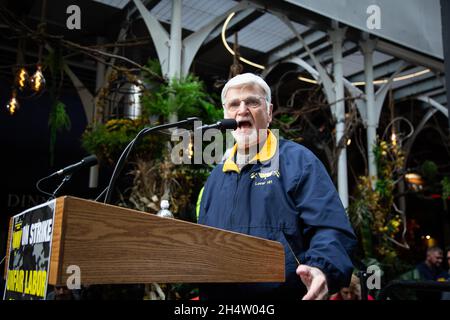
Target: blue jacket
{"x":285,"y":195}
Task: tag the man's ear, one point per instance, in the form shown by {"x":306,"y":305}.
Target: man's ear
{"x":269,"y":115}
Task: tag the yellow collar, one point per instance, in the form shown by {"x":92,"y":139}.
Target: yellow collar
{"x":266,"y":153}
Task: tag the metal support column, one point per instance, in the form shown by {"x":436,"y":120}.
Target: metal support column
{"x":367,"y":48}
{"x":175,"y":47}
{"x":99,"y":82}
{"x":175,"y":41}
{"x":445,"y":17}
{"x":337,"y":37}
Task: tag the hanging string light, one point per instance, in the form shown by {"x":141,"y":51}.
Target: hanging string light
{"x":13,"y":104}
{"x":38,"y":80}
{"x":394,"y":138}
{"x":25,"y":85}
{"x":22,"y":78}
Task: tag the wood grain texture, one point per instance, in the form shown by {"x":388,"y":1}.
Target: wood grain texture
{"x":57,"y":242}
{"x":118,"y":245}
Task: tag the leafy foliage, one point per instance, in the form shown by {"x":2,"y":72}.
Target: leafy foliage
{"x":151,"y":180}
{"x":58,"y":118}
{"x":445,"y":190}
{"x":108,"y":140}
{"x":185,"y":97}
{"x":372,"y":212}
{"x":429,"y":170}
{"x":57,"y":121}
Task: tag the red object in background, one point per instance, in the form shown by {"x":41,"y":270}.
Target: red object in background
{"x":337,"y":296}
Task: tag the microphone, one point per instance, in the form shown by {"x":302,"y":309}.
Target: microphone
{"x":85,"y":162}
{"x":223,"y":124}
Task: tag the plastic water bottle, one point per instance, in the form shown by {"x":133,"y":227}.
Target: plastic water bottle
{"x":165,"y":212}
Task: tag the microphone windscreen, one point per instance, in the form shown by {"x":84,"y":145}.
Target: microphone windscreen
{"x":90,"y":160}
{"x":228,"y":124}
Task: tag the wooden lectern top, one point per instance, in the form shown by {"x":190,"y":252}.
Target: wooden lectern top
{"x":114,"y":245}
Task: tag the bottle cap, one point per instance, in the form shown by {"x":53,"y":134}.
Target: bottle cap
{"x":165,"y":204}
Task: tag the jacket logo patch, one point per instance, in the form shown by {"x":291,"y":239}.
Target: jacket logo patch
{"x":263,"y":178}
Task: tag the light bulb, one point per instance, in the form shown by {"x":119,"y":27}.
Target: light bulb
{"x":394,"y":139}
{"x":13,"y":104}
{"x":38,"y":80}
{"x":22,"y":78}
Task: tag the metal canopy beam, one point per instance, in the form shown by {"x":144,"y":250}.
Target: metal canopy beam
{"x":290,"y":42}
{"x":174,"y":53}
{"x":312,"y":39}
{"x":433,"y":103}
{"x":414,"y":24}
{"x":419,"y":87}
{"x":320,"y":22}
{"x":410,"y":56}
{"x":381,"y":70}
{"x":441,"y":99}
{"x":131,"y":9}
{"x":321,"y":48}
{"x":239,"y":21}
{"x":325,"y":54}
{"x":436,"y":93}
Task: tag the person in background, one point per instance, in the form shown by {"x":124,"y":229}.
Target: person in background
{"x":352,"y":292}
{"x":428,"y":270}
{"x":446,"y":294}
{"x":431,"y":268}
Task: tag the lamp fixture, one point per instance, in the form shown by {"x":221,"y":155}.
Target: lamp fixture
{"x":13,"y":104}
{"x":224,"y":41}
{"x":22,"y":78}
{"x":38,"y":80}
{"x":394,"y":139}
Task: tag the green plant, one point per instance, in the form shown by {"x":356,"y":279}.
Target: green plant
{"x":108,"y":140}
{"x":429,"y":170}
{"x":57,"y":121}
{"x":186,"y":97}
{"x":58,"y":118}
{"x":372,"y":211}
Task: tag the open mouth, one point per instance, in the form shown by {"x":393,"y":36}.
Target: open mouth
{"x":244,"y":124}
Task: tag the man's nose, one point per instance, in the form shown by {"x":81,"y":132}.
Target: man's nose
{"x":242,"y":107}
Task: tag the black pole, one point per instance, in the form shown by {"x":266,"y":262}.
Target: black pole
{"x":363,"y":283}
{"x":64,"y":180}
{"x":445,"y":17}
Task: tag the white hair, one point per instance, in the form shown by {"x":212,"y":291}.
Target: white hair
{"x":247,"y":79}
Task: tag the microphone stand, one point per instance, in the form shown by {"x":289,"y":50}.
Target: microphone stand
{"x":126,"y":152}
{"x":64,"y":180}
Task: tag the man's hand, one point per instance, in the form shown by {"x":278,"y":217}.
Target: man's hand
{"x":315,"y":281}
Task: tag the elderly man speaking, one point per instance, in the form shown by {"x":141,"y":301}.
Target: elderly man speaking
{"x":278,"y":190}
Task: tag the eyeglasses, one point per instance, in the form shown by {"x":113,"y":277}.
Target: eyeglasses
{"x":252,"y":102}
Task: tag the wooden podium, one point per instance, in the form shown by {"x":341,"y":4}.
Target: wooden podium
{"x":113,"y":245}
